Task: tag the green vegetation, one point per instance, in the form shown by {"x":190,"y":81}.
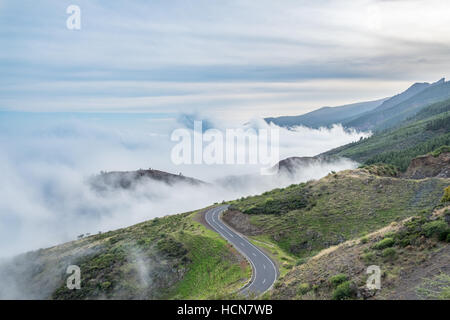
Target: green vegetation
{"x":446,"y":196}
{"x":403,"y":106}
{"x":437,"y":288}
{"x":436,"y":228}
{"x":340,"y":272}
{"x":340,"y":207}
{"x":303,"y":288}
{"x":343,"y":291}
{"x":389,"y":253}
{"x":173,"y":257}
{"x":385,"y":243}
{"x":214,"y":272}
{"x":439,"y":151}
{"x":276,"y":201}
{"x":426,"y":132}
{"x":338,"y":279}
{"x":382,"y":169}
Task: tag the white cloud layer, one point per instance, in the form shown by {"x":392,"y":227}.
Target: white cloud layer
{"x":47,"y":159}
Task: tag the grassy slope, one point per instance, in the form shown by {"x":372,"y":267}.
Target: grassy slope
{"x":428,"y":130}
{"x":413,"y":257}
{"x":340,"y":207}
{"x":170,"y":257}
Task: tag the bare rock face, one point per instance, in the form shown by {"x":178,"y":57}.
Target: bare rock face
{"x":429,"y":166}
{"x":240,"y":222}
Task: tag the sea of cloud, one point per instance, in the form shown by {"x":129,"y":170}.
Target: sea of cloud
{"x":48,"y":159}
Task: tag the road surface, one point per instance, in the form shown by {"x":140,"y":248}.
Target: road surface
{"x":264,"y":270}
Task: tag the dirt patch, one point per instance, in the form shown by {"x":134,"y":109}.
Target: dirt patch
{"x":429,"y":166}
{"x":410,"y":280}
{"x":240,"y":222}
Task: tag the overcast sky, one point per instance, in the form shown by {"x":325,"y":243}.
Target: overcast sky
{"x":227,"y":58}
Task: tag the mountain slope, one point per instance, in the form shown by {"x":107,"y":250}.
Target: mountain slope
{"x":413,"y":256}
{"x":306,"y":218}
{"x":426,"y":131}
{"x":174,"y":257}
{"x":401,"y":107}
{"x":373,"y":115}
{"x":326,"y":116}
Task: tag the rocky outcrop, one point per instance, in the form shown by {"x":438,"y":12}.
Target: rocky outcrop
{"x":429,"y":166}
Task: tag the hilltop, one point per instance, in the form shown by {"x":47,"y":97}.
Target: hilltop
{"x":129,"y":179}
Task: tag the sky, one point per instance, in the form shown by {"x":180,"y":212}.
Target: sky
{"x":233,"y":59}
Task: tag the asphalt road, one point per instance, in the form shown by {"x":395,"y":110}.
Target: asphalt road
{"x":264,"y":269}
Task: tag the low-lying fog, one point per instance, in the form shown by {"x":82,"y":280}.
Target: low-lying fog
{"x":46,"y":161}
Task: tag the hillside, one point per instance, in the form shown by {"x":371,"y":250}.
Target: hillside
{"x":306,"y":218}
{"x":390,"y":114}
{"x":177,"y":257}
{"x":174,"y":257}
{"x":426,"y":131}
{"x":326,"y":116}
{"x":376,"y":115}
{"x":413,"y":256}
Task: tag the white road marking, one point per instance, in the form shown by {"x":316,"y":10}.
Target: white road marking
{"x":214,"y":216}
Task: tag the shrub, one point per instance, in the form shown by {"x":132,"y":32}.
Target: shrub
{"x":368,"y":257}
{"x":385,"y":243}
{"x":105,"y":285}
{"x":303,"y":288}
{"x":446,"y":197}
{"x":364,"y":240}
{"x":438,"y":151}
{"x":448,"y":238}
{"x":436,"y":228}
{"x":338,"y":279}
{"x":343,"y":291}
{"x":301,"y":261}
{"x":389,"y":253}
{"x":405,"y":242}
{"x":269,"y":201}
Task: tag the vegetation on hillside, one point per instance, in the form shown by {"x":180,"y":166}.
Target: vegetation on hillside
{"x":421,"y":134}
{"x":173,"y":257}
{"x":340,"y":206}
{"x":403,"y":251}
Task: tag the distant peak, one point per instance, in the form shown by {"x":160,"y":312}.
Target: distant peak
{"x":442,"y":80}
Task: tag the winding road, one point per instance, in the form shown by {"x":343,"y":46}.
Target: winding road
{"x":264,"y":270}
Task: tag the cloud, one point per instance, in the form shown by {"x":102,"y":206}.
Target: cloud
{"x":209,"y":42}
{"x":47,"y":160}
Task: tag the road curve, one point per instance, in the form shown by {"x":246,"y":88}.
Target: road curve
{"x":264,"y":270}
